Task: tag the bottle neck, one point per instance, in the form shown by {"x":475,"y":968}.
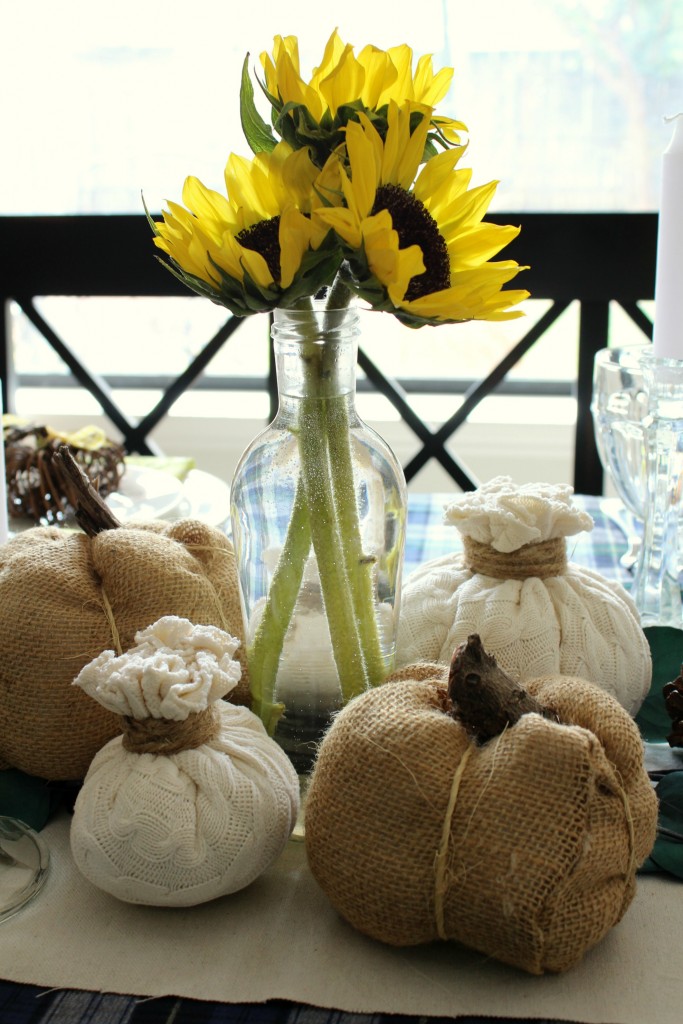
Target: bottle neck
{"x":315,"y":353}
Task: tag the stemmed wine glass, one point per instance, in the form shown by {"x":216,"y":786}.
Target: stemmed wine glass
{"x":619,"y":406}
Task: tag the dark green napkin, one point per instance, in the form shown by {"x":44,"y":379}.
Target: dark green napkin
{"x":24,"y":797}
{"x":33,"y":800}
{"x":664,"y":763}
{"x":668,"y":851}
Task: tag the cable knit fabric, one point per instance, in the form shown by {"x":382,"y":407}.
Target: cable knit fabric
{"x":180,"y":829}
{"x":575,"y":624}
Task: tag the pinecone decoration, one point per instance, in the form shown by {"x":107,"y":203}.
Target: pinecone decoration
{"x":673,"y":700}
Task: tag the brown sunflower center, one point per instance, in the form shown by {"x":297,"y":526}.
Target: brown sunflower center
{"x":264,"y":238}
{"x":415,"y":226}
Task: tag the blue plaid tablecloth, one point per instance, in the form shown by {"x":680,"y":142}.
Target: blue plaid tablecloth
{"x":427,"y":538}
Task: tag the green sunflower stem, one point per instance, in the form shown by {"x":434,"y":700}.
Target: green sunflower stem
{"x":359,"y":568}
{"x":266,"y":649}
{"x":329,"y":551}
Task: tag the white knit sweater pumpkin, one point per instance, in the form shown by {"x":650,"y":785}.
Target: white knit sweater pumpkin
{"x":182,"y":828}
{"x":575,"y":623}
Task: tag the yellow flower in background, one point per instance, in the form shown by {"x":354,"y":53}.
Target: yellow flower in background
{"x":247,"y":249}
{"x":315,"y":113}
{"x":395,"y":219}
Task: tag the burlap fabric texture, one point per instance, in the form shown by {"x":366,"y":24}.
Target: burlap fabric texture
{"x":524,"y":848}
{"x":65,"y":597}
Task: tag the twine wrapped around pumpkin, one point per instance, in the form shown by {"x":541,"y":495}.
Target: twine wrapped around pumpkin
{"x":513,"y":585}
{"x":160,"y":736}
{"x":66,"y":596}
{"x":524,"y":847}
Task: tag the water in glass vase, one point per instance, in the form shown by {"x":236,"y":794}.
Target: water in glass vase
{"x":318,"y":509}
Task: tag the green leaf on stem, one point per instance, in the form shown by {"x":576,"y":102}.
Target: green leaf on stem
{"x":256,"y":131}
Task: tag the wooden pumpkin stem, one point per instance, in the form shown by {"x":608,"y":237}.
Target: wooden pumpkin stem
{"x":485,"y":699}
{"x":92,"y":513}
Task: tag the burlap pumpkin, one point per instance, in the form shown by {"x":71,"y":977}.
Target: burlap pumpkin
{"x":66,"y":597}
{"x":524,"y":848}
{"x":514,"y":585}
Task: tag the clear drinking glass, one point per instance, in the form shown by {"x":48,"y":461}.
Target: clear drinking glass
{"x":24,"y":860}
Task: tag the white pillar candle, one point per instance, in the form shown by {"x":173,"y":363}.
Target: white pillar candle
{"x":3,"y":485}
{"x":668,"y":330}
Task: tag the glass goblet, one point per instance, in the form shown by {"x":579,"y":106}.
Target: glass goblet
{"x":619,"y":405}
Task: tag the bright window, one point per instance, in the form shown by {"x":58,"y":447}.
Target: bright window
{"x":564,"y":100}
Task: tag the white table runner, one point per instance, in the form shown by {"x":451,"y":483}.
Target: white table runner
{"x":281,"y":939}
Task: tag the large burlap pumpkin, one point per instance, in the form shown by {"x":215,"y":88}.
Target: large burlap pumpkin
{"x":66,"y":597}
{"x":524,"y":848}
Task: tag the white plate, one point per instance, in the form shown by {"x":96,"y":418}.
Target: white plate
{"x":205,"y":497}
{"x":145,"y":494}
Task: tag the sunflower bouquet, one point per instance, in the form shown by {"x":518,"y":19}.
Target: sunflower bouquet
{"x":354,"y":191}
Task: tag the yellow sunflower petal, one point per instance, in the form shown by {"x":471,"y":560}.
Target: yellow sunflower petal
{"x":364,"y":170}
{"x":327,"y":188}
{"x":449,"y":128}
{"x":473,"y":295}
{"x":293,"y":89}
{"x":253,"y":262}
{"x":295,"y":240}
{"x":392,"y":266}
{"x":205,"y":203}
{"x":298,"y":175}
{"x":344,"y":83}
{"x":402,"y":87}
{"x":249,"y":189}
{"x":430,"y":88}
{"x":281,"y":45}
{"x":439,"y":171}
{"x":466,"y":211}
{"x":392,"y":144}
{"x":375,"y":138}
{"x":181,"y":237}
{"x":342,"y":220}
{"x":476,"y":245}
{"x":380,"y":74}
{"x":411,"y":149}
{"x":334,"y":48}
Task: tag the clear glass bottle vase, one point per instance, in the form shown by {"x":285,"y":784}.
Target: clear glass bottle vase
{"x":659,"y":572}
{"x":318,"y":508}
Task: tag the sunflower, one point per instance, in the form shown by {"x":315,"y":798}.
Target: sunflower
{"x":395,"y":220}
{"x":256,"y":247}
{"x":315,"y":114}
